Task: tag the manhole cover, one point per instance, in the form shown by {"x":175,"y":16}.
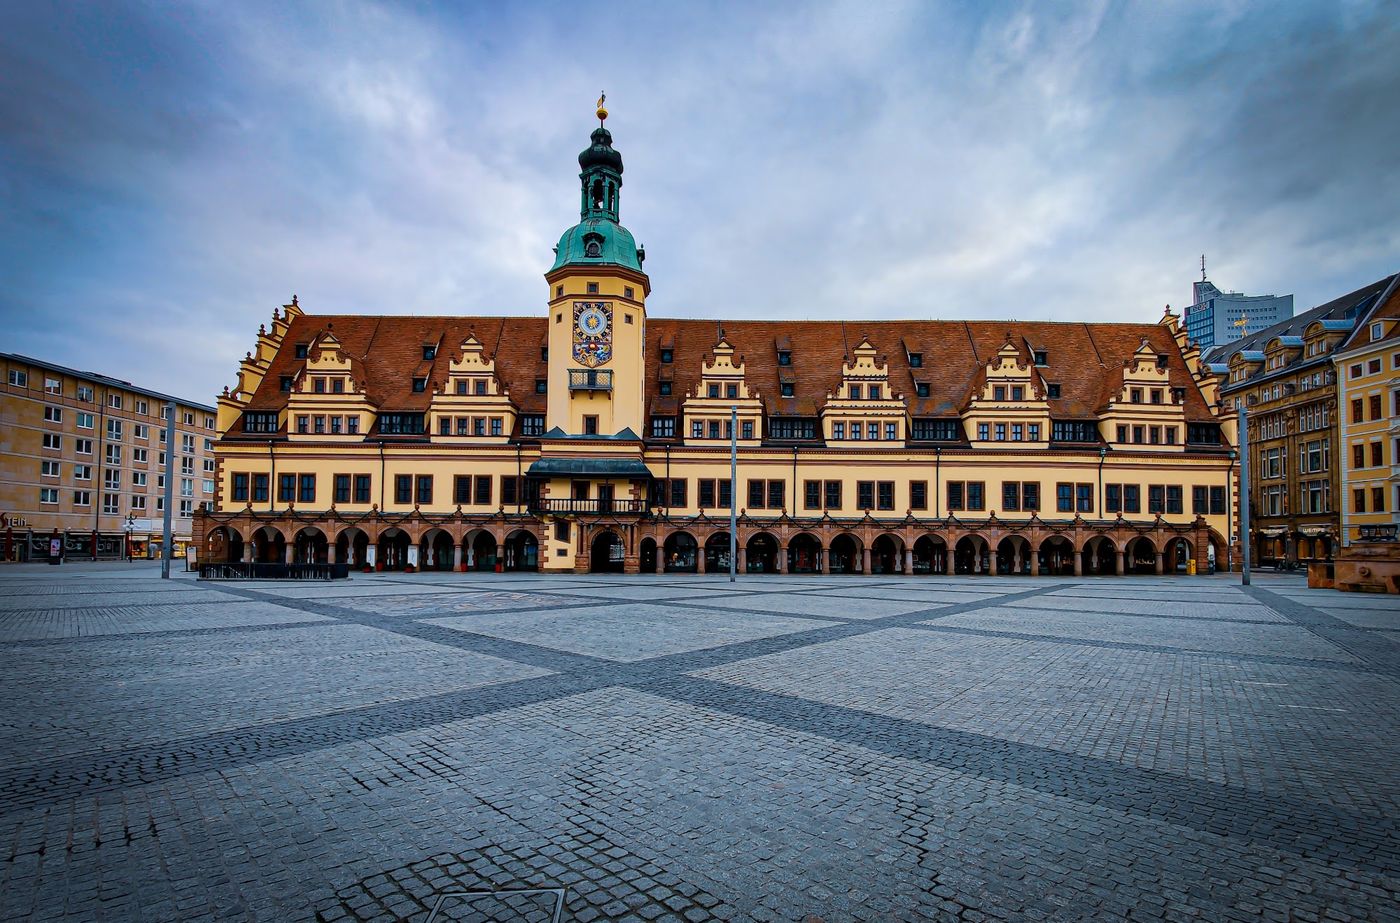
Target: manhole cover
{"x":526,"y":905}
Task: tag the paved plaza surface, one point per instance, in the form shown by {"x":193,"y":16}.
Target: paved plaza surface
{"x":683,"y":748}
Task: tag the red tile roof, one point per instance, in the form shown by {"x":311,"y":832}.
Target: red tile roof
{"x":1085,"y":360}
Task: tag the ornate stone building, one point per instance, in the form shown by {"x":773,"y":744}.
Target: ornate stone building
{"x":1285,"y":375}
{"x":595,"y":436}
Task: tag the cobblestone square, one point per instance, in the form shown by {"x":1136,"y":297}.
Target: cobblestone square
{"x":684,"y":748}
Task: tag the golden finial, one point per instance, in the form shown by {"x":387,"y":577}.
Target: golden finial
{"x":602,"y":113}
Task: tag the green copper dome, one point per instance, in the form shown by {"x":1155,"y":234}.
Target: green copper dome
{"x":598,"y":239}
{"x":597,"y":242}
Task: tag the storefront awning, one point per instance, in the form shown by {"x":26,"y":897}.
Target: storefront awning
{"x":590,"y":467}
{"x":1273,"y":531}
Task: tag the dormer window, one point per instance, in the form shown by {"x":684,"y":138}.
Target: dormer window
{"x":786,"y":389}
{"x":541,"y":385}
{"x":921,"y":389}
{"x":1178,"y":395}
{"x":1052,"y":391}
{"x":916,"y":360}
{"x":461,"y":386}
{"x":665,"y":388}
{"x":1041,"y":357}
{"x":784,"y":357}
{"x":999,"y":392}
{"x":593,"y":249}
{"x":873,"y":391}
{"x":668,"y":356}
{"x":481,"y":386}
{"x":429,"y":352}
{"x":544,"y":353}
{"x":301,"y":350}
{"x":1377,"y":331}
{"x":420,"y":385}
{"x":318,"y":385}
{"x":731,"y":391}
{"x":1135,"y":396}
{"x":338,"y":385}
{"x":854,"y":392}
{"x":286,"y":383}
{"x":713,"y":391}
{"x":1161,"y":360}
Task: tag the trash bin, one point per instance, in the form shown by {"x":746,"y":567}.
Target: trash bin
{"x":1191,"y":567}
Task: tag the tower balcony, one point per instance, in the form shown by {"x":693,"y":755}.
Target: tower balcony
{"x":590,"y":380}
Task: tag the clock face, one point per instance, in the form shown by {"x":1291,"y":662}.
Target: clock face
{"x":592,"y":322}
{"x":592,"y":332}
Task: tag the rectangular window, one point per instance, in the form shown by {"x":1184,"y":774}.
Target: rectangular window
{"x":424,"y":489}
{"x":260,"y":488}
{"x":1084,"y":498}
{"x":1358,"y":497}
{"x":85,"y":422}
{"x":342,"y":488}
{"x":1156,"y":499}
{"x":885,"y":495}
{"x":1011,"y":496}
{"x":1378,"y":499}
{"x":84,"y":473}
{"x":510,"y":490}
{"x":111,"y":503}
{"x":838,"y":430}
{"x":1132,"y":498}
{"x":976,"y":499}
{"x":983,"y":432}
{"x":1377,"y":455}
{"x":777,"y":494}
{"x":1375,"y":406}
{"x":756,"y":494}
{"x":362,"y":488}
{"x":832,"y":500}
{"x":705,"y":491}
{"x":114,"y":429}
{"x":306,"y":488}
{"x":286,"y":488}
{"x":663,"y":427}
{"x":532,"y":424}
{"x":1113,"y":498}
{"x":1358,"y":456}
{"x":403,"y":488}
{"x":918,"y":495}
{"x":956,"y":496}
{"x":1064,"y":498}
{"x":714,"y":429}
{"x":481,"y":493}
{"x":1030,"y":496}
{"x":462,"y":489}
{"x":352,"y":424}
{"x":50,"y":495}
{"x":746,"y":429}
{"x":891,"y":431}
{"x":865,"y":495}
{"x":1200,"y":501}
{"x":53,"y":415}
{"x":872,"y":431}
{"x":1001,"y":432}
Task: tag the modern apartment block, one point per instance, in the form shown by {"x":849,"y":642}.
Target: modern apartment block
{"x":82,"y":458}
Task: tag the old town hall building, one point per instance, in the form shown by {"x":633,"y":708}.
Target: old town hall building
{"x":595,"y":436}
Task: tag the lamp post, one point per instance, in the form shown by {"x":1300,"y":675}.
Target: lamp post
{"x":733,"y":490}
{"x":127,"y":527}
{"x":1242,"y":411}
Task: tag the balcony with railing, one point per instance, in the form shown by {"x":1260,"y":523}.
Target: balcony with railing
{"x":563,"y":506}
{"x":590,"y":380}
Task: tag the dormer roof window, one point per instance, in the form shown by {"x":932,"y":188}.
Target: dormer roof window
{"x":784,"y":357}
{"x":301,"y":350}
{"x":916,"y":360}
{"x":429,"y":352}
{"x":420,"y":385}
{"x":1042,"y":358}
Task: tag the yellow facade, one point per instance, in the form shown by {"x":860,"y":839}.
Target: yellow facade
{"x":602,"y":441}
{"x":1368,"y":376}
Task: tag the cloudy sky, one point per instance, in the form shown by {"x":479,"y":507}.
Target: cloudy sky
{"x":171,"y":172}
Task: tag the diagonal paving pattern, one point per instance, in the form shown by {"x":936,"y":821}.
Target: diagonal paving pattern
{"x":680,"y":747}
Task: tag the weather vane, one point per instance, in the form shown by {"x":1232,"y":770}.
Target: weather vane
{"x":602,"y":113}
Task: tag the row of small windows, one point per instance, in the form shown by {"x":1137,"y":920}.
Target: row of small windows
{"x":1017,"y":432}
{"x":468,"y":490}
{"x":397,"y":424}
{"x":1147,"y":435}
{"x":334,"y":424}
{"x":141,"y":407}
{"x":111,"y":503}
{"x":471,"y":426}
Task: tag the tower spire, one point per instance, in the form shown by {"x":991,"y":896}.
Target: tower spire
{"x":1203,"y":267}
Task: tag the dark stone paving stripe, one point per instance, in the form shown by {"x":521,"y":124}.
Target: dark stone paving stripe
{"x":1289,"y":824}
{"x":171,"y":633}
{"x":1231,"y":657}
{"x":1372,"y":648}
{"x":90,"y":774}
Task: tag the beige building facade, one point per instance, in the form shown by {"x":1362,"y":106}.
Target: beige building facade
{"x":595,"y":436}
{"x":82,"y":459}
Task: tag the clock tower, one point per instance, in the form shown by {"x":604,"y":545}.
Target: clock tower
{"x":597,"y":307}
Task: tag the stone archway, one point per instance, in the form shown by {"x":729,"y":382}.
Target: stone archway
{"x":352,"y":547}
{"x":1013,"y":556}
{"x":717,"y":553}
{"x":1140,"y":556}
{"x":646,"y":556}
{"x":223,"y":545}
{"x":309,"y":546}
{"x":804,"y":553}
{"x":269,"y":546}
{"x":435,"y":550}
{"x":930,"y":555}
{"x":680,"y":554}
{"x":1057,"y":556}
{"x":393,"y":549}
{"x":887,"y":554}
{"x":480,"y":552}
{"x":1099,"y":555}
{"x":607,"y":554}
{"x":1179,"y":550}
{"x":522,"y":551}
{"x":844,"y":555}
{"x":971,"y":555}
{"x":761,"y":554}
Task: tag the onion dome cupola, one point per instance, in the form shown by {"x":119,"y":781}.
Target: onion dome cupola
{"x":598,"y":239}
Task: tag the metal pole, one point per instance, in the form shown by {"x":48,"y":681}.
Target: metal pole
{"x":1244,"y":490}
{"x":733,"y":491}
{"x":168,"y":546}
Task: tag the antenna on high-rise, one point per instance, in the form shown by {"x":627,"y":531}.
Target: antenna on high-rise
{"x":1203,"y":267}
